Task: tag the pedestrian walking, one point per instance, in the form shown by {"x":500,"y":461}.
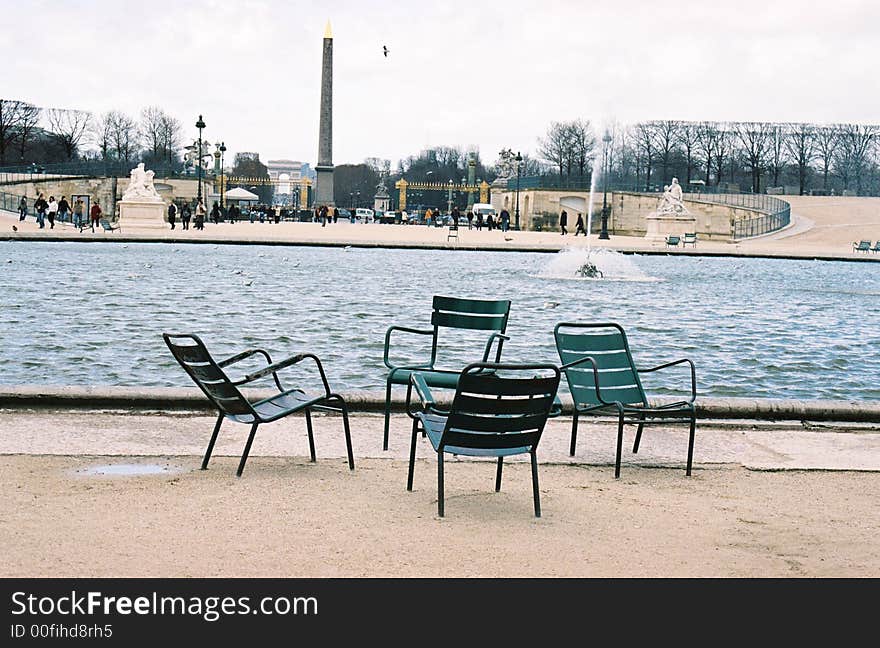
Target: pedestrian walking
{"x":22,"y":208}
{"x":96,"y":214}
{"x":40,"y":206}
{"x":335,"y":214}
{"x":505,"y":220}
{"x":490,"y":221}
{"x":579,"y":226}
{"x":324,"y":212}
{"x":470,"y":217}
{"x":63,"y":209}
{"x":172,"y":214}
{"x":479,"y":221}
{"x":201,"y":212}
{"x":185,"y":216}
{"x":78,"y":207}
{"x":563,"y":221}
{"x":52,"y":211}
{"x":215,"y":214}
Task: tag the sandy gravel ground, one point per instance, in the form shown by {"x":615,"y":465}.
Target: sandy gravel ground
{"x":763,"y":501}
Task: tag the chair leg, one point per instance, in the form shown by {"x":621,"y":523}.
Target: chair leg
{"x":347,"y":428}
{"x":574,"y":432}
{"x":638,"y":438}
{"x":619,"y":444}
{"x":211,"y":442}
{"x":247,"y":449}
{"x":691,"y":444}
{"x":387,"y":414}
{"x":537,"y":493}
{"x":412,"y":454}
{"x":498,"y":474}
{"x":311,"y":435}
{"x":440,"y":483}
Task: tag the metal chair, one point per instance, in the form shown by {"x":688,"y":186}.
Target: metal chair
{"x":450,"y":313}
{"x":191,"y":353}
{"x":498,"y":410}
{"x":603,"y":378}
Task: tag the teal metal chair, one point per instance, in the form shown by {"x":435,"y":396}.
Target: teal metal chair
{"x":862,"y":246}
{"x":603,"y":379}
{"x":672,"y":241}
{"x":448,"y":313}
{"x":499,"y":410}
{"x":876,"y":247}
{"x":224,"y":393}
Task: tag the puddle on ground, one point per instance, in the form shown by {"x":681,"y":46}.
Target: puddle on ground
{"x":128,"y":469}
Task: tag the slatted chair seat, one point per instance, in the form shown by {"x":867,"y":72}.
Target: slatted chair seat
{"x":224,"y":393}
{"x":449,"y":313}
{"x":498,"y":410}
{"x":603,"y":379}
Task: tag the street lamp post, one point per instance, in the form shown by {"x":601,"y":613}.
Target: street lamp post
{"x":200,"y":125}
{"x":516,"y":216}
{"x":222,"y":173}
{"x":606,"y":139}
{"x":449,"y":198}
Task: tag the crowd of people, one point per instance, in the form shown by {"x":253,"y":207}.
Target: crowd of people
{"x":52,"y":210}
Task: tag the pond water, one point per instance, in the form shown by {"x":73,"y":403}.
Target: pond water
{"x":93,"y":314}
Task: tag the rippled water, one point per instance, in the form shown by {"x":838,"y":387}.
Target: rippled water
{"x":86,"y":313}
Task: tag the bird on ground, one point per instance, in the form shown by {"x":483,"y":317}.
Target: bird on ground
{"x":385,"y":51}
{"x":14,"y":228}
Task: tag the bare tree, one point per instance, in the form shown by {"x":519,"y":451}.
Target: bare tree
{"x":689,"y":136}
{"x":754,"y":138}
{"x":10,"y":118}
{"x":722,"y":150}
{"x":827,"y":141}
{"x":776,"y":150}
{"x":707,"y":134}
{"x":644,"y":135}
{"x":800,"y":143}
{"x":29,"y":118}
{"x":554,"y":148}
{"x":583,"y":143}
{"x":665,"y":135}
{"x":150,"y":129}
{"x":68,"y":127}
{"x":123,"y":135}
{"x":855,"y":146}
{"x":171,"y":134}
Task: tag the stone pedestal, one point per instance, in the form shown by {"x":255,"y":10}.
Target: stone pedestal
{"x":659,"y":226}
{"x":141,"y":213}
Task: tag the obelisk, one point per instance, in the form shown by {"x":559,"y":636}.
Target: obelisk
{"x":324,"y":168}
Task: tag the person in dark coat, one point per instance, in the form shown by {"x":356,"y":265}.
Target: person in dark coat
{"x":185,"y":215}
{"x":563,"y":221}
{"x":579,"y":226}
{"x":172,"y":214}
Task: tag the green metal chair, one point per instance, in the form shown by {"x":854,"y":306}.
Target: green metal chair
{"x":191,"y":353}
{"x":876,"y":247}
{"x":672,"y":240}
{"x":603,"y":379}
{"x":448,"y":313}
{"x":498,"y":410}
{"x":862,"y":246}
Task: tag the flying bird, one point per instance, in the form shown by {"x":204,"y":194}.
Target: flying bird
{"x":385,"y":51}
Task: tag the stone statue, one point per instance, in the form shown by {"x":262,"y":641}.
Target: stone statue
{"x":671,"y":202}
{"x":140,"y":186}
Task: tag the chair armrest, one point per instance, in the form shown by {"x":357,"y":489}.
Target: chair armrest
{"x":501,"y":340}
{"x":274,"y":368}
{"x":678,"y":362}
{"x":423,"y":392}
{"x":241,"y":356}
{"x":403,"y":329}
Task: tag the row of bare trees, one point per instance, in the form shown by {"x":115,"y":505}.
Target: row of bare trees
{"x":811,"y":157}
{"x":77,"y":134}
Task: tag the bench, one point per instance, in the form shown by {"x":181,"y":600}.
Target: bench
{"x":105,"y":224}
{"x":689,"y":238}
{"x":672,"y":241}
{"x":862,"y":246}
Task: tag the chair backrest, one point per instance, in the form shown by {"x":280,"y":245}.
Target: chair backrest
{"x":671,"y":240}
{"x":191,"y":353}
{"x":689,"y":237}
{"x":606,"y":343}
{"x":106,"y":225}
{"x":500,"y":405}
{"x":475,"y":314}
{"x":864,"y":245}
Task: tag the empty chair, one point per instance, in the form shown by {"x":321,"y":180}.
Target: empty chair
{"x":108,"y":227}
{"x":191,"y":353}
{"x":690,"y":238}
{"x":458,"y":315}
{"x":453,"y":229}
{"x":498,"y":410}
{"x":603,"y":379}
{"x":672,"y":240}
{"x":876,"y":247}
{"x":862,"y":246}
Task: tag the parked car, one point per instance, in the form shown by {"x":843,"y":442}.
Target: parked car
{"x":365,"y":215}
{"x":389,"y":217}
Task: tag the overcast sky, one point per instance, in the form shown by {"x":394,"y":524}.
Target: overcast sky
{"x":460,"y":73}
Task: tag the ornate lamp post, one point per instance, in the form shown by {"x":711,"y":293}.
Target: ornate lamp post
{"x":606,"y":139}
{"x":449,"y":198}
{"x":518,"y":163}
{"x":200,"y":125}
{"x":222,"y":173}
